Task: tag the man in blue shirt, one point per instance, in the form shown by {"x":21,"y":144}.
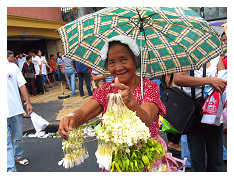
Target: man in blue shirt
{"x":83,"y":73}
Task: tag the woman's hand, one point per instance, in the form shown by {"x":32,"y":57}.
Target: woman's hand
{"x":218,"y":83}
{"x":128,"y":98}
{"x":66,"y":125}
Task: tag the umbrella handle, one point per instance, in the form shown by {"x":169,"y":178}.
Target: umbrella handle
{"x":141,"y":67}
{"x":62,"y":87}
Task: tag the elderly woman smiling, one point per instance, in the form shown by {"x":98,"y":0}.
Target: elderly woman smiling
{"x":121,"y":55}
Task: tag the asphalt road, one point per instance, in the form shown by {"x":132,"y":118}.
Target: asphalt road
{"x":45,"y":153}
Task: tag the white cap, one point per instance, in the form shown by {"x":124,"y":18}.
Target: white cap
{"x":124,"y":40}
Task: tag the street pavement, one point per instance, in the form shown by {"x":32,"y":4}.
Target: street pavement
{"x":45,"y":153}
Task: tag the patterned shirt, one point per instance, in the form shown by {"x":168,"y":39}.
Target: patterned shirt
{"x":151,"y":94}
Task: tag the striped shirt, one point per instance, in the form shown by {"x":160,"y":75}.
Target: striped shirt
{"x":68,"y":62}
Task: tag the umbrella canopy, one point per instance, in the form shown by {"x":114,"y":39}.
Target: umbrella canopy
{"x":171,"y":39}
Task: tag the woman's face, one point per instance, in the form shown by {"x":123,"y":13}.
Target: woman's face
{"x":224,"y":38}
{"x":39,"y":53}
{"x":120,"y":63}
{"x":30,"y":60}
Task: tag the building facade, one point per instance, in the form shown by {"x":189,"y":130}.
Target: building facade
{"x":34,"y":28}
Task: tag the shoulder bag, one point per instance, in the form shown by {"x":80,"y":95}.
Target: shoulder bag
{"x":183,"y":111}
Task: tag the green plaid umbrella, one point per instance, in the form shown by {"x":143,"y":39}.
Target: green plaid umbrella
{"x":171,"y":39}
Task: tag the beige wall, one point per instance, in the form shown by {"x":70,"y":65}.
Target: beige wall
{"x":53,"y":47}
{"x":59,"y":46}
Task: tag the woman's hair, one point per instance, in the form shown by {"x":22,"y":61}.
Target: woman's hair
{"x":28,"y":57}
{"x":38,"y":51}
{"x":136,"y":59}
{"x":58,"y":53}
{"x":223,"y":34}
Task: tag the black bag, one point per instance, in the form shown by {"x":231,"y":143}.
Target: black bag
{"x":182,"y":110}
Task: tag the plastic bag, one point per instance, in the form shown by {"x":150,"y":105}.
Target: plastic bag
{"x":167,"y":127}
{"x":215,"y":104}
{"x":212,"y":109}
{"x":39,"y":123}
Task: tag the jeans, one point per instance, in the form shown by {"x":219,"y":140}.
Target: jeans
{"x":60,"y":74}
{"x":14,"y":152}
{"x":84,"y":75}
{"x":185,"y":151}
{"x":224,"y":153}
{"x":209,"y":138}
{"x":70,"y":74}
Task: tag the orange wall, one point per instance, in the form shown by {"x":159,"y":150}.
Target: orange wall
{"x":48,"y":13}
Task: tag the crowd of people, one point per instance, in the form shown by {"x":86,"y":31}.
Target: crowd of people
{"x":36,"y":70}
{"x":122,"y":61}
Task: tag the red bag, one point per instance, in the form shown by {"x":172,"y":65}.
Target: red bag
{"x":212,"y":109}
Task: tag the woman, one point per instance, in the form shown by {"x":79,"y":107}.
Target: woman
{"x":122,"y":60}
{"x":69,"y":70}
{"x":30,"y":76}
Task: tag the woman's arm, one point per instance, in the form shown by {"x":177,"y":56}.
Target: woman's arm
{"x":90,"y":110}
{"x":63,"y":68}
{"x":220,"y":65}
{"x":147,"y":112}
{"x":181,"y":79}
{"x":99,"y":77}
{"x":167,"y":80}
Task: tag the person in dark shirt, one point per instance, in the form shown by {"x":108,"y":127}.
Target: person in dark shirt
{"x":83,"y":74}
{"x":30,"y":76}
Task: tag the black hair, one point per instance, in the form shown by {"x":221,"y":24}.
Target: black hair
{"x":51,"y":55}
{"x":38,"y":51}
{"x":136,"y":59}
{"x":32,"y":51}
{"x":28,"y":57}
{"x":58,"y":53}
{"x":223,"y":34}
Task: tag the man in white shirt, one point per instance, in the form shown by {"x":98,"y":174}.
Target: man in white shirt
{"x":37,"y":65}
{"x":15,"y":81}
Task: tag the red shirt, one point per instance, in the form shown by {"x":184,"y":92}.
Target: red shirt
{"x":53,"y":65}
{"x":151,"y":94}
{"x":224,"y":61}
